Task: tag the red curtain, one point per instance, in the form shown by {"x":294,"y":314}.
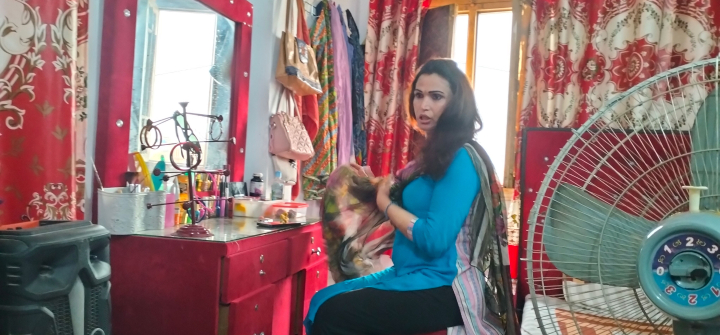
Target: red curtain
{"x":391,"y":52}
{"x":584,"y":53}
{"x":42,"y":109}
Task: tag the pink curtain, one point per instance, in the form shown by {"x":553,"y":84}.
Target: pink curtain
{"x":584,"y":53}
{"x":43,"y":58}
{"x":391,"y":52}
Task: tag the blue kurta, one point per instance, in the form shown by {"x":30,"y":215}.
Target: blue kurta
{"x":428,"y":261}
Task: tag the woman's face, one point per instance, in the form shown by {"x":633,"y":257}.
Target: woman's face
{"x":431,"y":96}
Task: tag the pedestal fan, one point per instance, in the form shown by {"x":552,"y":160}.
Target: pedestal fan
{"x":624,"y":235}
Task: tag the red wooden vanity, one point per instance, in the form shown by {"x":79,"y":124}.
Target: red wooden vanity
{"x":242,"y":281}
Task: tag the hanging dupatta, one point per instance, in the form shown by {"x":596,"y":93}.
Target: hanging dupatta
{"x":489,"y":244}
{"x":316,"y":169}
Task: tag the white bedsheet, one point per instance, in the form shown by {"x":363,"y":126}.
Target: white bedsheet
{"x":590,"y":313}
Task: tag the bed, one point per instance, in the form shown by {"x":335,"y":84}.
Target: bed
{"x":584,"y":311}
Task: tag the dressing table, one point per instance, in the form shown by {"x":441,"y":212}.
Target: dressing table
{"x":242,"y":280}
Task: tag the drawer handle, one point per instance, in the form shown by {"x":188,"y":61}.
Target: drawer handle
{"x":317,"y":275}
{"x":256,"y":307}
{"x":314,"y":251}
{"x":312,"y":240}
{"x":262,"y":273}
{"x":262,"y":258}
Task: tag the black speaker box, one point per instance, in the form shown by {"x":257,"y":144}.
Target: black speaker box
{"x":55,"y":280}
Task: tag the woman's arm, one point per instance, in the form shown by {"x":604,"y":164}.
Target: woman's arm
{"x":399,"y":217}
{"x":450,"y":204}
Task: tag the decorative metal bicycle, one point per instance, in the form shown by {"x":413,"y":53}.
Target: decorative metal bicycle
{"x":190,"y":152}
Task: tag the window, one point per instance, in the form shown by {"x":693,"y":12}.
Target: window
{"x":482,"y":45}
{"x":490,"y":82}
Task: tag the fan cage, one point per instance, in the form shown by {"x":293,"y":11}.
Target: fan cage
{"x":633,"y":155}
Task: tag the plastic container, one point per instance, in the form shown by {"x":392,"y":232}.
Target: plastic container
{"x":299,"y":208}
{"x":127,"y":213}
{"x":250,"y":207}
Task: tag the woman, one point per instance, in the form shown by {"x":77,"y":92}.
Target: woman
{"x":435,"y":283}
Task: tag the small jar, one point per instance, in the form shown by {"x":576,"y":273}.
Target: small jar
{"x":257,"y":185}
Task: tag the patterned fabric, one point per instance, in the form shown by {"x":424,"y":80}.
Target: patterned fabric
{"x":343,"y":87}
{"x":390,"y":62}
{"x":358,"y":99}
{"x":325,"y":141}
{"x":483,"y":259}
{"x":583,"y":55}
{"x":43,"y":57}
{"x":307,"y":105}
{"x":355,"y":231}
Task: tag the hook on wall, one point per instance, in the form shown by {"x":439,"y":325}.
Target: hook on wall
{"x":312,"y":11}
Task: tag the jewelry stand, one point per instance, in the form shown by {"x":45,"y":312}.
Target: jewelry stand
{"x":190,"y":147}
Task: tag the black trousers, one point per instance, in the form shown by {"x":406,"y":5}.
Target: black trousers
{"x":377,"y":312}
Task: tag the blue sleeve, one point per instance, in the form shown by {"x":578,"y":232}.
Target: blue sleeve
{"x":450,"y":204}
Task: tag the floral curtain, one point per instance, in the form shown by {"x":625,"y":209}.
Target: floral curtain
{"x":42,"y":109}
{"x":391,"y":52}
{"x":583,"y":53}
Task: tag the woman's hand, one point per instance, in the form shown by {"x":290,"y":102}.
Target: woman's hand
{"x":383,"y":192}
{"x":399,"y":217}
{"x":363,"y":171}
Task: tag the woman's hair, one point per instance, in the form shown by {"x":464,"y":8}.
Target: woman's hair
{"x":456,"y":126}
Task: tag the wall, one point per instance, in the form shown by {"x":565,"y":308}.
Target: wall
{"x":268,"y":25}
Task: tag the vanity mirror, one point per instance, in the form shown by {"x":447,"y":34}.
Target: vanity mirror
{"x":183,"y":53}
{"x":157,"y":54}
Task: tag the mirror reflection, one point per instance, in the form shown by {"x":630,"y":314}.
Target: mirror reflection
{"x":183,"y":54}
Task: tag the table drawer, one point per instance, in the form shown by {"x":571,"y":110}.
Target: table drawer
{"x":253,"y":315}
{"x":306,"y":249}
{"x":316,"y":278}
{"x":250,"y":270}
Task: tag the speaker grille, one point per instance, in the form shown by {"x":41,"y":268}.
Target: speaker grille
{"x":60,"y":308}
{"x":92,"y":309}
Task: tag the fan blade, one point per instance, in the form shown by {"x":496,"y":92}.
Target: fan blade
{"x":705,"y":160}
{"x":581,"y":243}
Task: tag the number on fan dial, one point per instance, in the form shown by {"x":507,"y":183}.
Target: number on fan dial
{"x":670,"y":289}
{"x":660,"y":270}
{"x":692,"y":299}
{"x":712,"y":249}
{"x":715,"y":291}
{"x":667,"y":249}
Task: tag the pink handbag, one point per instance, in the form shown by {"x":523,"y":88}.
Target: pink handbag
{"x":288,"y":137}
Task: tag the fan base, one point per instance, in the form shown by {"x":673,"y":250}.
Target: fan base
{"x":688,"y":328}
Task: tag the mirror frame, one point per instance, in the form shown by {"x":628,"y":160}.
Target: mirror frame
{"x":116,"y":81}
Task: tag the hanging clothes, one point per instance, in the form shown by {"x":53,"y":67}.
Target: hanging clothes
{"x":342,"y":87}
{"x":350,"y":48}
{"x":307,"y":105}
{"x":358,"y":97}
{"x":325,"y":142}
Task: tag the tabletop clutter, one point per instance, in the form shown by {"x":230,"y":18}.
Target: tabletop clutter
{"x":126,"y":210}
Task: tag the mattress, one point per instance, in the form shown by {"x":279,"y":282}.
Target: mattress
{"x":584,"y":310}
